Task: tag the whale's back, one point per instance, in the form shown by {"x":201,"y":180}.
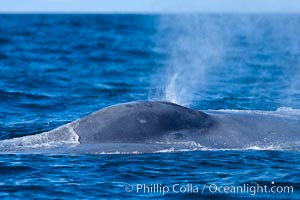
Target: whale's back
{"x":137,"y":122}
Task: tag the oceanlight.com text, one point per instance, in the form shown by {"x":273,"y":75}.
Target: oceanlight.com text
{"x":213,"y":188}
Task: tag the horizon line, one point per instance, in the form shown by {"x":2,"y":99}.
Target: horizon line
{"x":149,"y":12}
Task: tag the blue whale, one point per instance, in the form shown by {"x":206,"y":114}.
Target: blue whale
{"x":149,"y":126}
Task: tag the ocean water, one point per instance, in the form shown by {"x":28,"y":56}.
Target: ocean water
{"x":57,"y":68}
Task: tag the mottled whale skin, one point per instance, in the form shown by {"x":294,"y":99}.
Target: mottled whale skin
{"x":139,"y":122}
{"x":164,"y":122}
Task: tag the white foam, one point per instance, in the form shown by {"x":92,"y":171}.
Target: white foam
{"x":288,"y":110}
{"x":59,"y":136}
{"x":117,"y":153}
{"x":193,"y":146}
{"x":283,"y":112}
{"x":180,"y":146}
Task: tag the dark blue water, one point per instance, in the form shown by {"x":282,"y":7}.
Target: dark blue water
{"x":57,"y":68}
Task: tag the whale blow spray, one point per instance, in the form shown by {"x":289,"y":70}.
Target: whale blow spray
{"x":195,"y":44}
